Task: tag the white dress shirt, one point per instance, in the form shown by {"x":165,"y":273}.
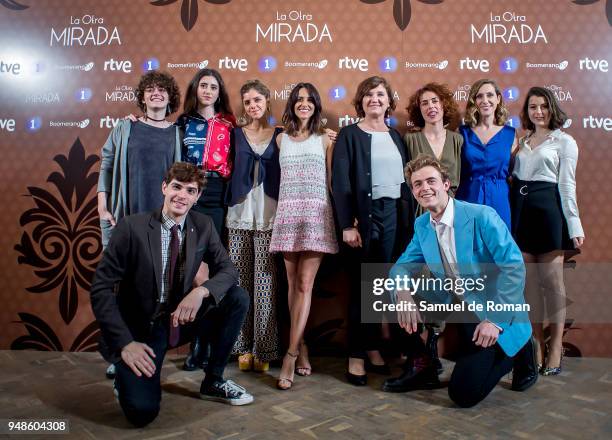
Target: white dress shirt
{"x":554,"y":161}
{"x":445,"y":231}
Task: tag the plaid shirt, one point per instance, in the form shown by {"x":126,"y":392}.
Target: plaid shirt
{"x":167,"y":224}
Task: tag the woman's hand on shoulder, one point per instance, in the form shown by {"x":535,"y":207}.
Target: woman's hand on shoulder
{"x":331,"y":134}
{"x":132,"y":117}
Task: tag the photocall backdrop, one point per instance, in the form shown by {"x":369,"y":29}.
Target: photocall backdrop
{"x":68,"y":71}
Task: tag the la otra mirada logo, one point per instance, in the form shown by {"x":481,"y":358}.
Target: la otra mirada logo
{"x":87,"y":30}
{"x":291,"y":27}
{"x":507,"y":28}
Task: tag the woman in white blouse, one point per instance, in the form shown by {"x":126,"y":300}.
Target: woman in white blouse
{"x":545,"y":219}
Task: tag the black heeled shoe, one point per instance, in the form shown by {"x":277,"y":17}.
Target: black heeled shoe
{"x":356,"y":379}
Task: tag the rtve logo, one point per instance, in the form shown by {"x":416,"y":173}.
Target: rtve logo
{"x":118,"y":66}
{"x":7,"y":124}
{"x":353,"y":64}
{"x":13,"y":68}
{"x":589,"y":64}
{"x":233,"y":63}
{"x":597,"y":122}
{"x":470,"y":64}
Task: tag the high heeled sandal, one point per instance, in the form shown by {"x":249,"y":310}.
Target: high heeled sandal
{"x":553,"y":371}
{"x":286,"y":379}
{"x":303,"y":371}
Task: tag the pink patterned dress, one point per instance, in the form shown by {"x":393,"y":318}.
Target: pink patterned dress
{"x":304,"y":218}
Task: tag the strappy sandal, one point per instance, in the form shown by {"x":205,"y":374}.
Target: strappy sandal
{"x":286,"y":379}
{"x":303,"y":371}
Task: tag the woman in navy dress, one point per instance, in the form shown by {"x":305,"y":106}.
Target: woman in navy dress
{"x":488,"y":145}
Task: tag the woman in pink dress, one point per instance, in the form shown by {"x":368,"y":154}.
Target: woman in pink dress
{"x":303,"y":227}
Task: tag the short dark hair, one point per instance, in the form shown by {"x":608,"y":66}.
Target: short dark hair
{"x":163,"y":80}
{"x":365,"y":86}
{"x":185,"y":172}
{"x":557,"y":115}
{"x":422,"y":161}
{"x":291,"y":121}
{"x":449,"y":106}
{"x":222,"y":105}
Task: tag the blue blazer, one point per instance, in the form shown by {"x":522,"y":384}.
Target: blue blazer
{"x":484,"y":247}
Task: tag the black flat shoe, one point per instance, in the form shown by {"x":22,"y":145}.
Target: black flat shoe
{"x":357,"y":379}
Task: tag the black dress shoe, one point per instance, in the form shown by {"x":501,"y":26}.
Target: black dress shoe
{"x":377,"y":369}
{"x":198,"y":356}
{"x":416,"y":376}
{"x":525,"y":371}
{"x":357,"y":379}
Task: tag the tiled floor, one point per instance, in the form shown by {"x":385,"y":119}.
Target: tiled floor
{"x":42,"y":385}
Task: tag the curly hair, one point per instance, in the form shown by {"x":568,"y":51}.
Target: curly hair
{"x":422,"y":161}
{"x":291,"y":121}
{"x":472,"y":116}
{"x":163,"y":80}
{"x":185,"y":172}
{"x":557,"y":115}
{"x":449,"y":106}
{"x":364,"y":87}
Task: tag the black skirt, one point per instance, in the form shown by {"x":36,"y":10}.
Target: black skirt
{"x":538,"y":223}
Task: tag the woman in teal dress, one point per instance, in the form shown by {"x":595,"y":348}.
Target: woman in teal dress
{"x":488,"y":146}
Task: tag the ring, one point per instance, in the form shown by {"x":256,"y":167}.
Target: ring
{"x":524,"y":187}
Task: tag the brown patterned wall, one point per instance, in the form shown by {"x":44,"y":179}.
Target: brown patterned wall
{"x":50,"y":244}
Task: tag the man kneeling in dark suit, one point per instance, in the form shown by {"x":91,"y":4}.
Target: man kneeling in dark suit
{"x":143,"y":299}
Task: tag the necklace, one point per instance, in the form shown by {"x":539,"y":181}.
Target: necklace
{"x":156,"y":120}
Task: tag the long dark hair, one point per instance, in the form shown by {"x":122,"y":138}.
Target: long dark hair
{"x":557,"y":116}
{"x":291,"y":122}
{"x":222,"y":105}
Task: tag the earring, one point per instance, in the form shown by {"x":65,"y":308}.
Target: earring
{"x":242,"y":121}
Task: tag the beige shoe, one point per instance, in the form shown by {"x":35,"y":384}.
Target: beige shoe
{"x":260,"y":366}
{"x":245,"y":362}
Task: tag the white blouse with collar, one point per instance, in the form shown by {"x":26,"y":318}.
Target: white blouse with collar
{"x":554,"y":160}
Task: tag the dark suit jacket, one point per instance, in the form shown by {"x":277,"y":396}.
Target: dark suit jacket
{"x":352,"y":186}
{"x":128,"y":279}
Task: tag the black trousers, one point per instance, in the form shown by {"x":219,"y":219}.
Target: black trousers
{"x":212,"y":202}
{"x":140,"y":397}
{"x":365,"y":337}
{"x":477,"y":371}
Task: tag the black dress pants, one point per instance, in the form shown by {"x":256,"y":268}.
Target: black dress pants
{"x":140,"y":397}
{"x":477,"y":370}
{"x":365,"y":337}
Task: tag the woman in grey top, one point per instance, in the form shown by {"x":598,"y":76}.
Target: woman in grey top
{"x":373,"y":209}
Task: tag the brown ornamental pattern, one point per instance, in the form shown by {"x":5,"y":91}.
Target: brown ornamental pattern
{"x":189,"y":10}
{"x":402,"y":10}
{"x":62,"y":237}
